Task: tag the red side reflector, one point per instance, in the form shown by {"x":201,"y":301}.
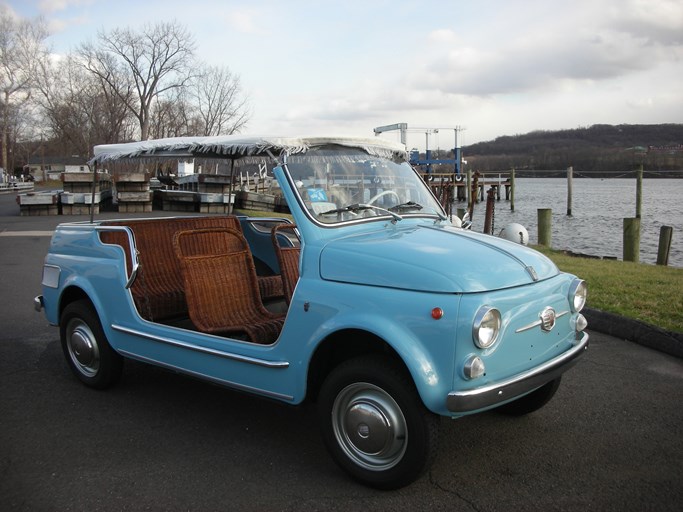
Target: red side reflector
{"x":437,"y":313}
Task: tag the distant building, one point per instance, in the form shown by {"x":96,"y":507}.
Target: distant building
{"x":44,"y":168}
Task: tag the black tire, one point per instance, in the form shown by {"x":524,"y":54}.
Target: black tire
{"x":533,"y":401}
{"x":86,"y":348}
{"x":367,"y":395}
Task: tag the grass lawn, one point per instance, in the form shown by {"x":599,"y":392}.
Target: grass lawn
{"x":650,"y":293}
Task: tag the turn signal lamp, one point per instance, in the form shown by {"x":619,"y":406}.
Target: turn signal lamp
{"x":474,"y":367}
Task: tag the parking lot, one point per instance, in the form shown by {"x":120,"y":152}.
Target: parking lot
{"x":611,"y":439}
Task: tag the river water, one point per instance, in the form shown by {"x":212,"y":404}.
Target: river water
{"x":598,"y":209}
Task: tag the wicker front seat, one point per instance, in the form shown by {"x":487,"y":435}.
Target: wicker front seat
{"x":221,"y":287}
{"x":288,"y":259}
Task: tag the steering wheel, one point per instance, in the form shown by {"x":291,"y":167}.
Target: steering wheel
{"x":385,"y":193}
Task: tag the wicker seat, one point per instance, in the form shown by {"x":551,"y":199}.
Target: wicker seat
{"x":158,"y":291}
{"x":221,"y":287}
{"x":288,"y":259}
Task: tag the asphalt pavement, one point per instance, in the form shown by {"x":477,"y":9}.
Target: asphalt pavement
{"x":609,"y":440}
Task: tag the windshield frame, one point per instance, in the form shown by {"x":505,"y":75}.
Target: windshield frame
{"x":381,"y":213}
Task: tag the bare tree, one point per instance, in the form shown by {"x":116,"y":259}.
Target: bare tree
{"x":79,"y":109}
{"x":219,"y":101}
{"x":140,"y":67}
{"x":172,"y":117}
{"x":22,"y":48}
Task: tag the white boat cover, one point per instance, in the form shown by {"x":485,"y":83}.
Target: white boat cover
{"x":238,"y":146}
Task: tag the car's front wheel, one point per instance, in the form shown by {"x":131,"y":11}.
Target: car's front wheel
{"x":374,"y":423}
{"x":86,"y":348}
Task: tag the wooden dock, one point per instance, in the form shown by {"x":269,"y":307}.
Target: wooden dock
{"x":471,"y":187}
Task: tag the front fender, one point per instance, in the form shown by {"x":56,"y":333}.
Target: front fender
{"x":430,"y":369}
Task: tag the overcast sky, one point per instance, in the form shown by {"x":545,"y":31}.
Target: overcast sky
{"x":492,"y":67}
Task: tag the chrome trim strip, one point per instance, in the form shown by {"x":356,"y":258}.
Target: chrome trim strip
{"x":538,"y":322}
{"x":493,"y":394}
{"x":204,"y":350}
{"x":203,"y":376}
{"x":131,"y":244}
{"x":134,"y":253}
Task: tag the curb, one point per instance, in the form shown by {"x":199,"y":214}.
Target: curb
{"x":633,"y":330}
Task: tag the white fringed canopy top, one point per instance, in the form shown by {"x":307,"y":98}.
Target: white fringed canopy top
{"x":238,"y":146}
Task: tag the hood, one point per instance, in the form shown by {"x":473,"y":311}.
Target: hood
{"x":433,"y":259}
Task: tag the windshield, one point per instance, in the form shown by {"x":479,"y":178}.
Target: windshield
{"x":344,"y":185}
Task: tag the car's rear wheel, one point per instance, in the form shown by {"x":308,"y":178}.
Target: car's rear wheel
{"x":86,"y":348}
{"x":533,"y":401}
{"x":374,"y":423}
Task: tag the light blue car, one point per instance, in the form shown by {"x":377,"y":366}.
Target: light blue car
{"x":371,"y":303}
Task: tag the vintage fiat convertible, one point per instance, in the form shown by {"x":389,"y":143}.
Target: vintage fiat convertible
{"x":371,"y":303}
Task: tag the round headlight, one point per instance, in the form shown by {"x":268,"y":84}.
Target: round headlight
{"x":486,"y":327}
{"x":578,"y":292}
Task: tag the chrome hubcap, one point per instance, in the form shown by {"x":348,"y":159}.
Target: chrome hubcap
{"x":369,"y":426}
{"x":83,"y":348}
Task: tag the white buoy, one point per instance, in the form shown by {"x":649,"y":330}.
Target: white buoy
{"x":515,"y":233}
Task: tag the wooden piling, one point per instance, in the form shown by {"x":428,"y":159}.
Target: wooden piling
{"x":545,"y":216}
{"x":665,"y":236}
{"x":570,"y":186}
{"x":639,"y":191}
{"x":490,"y":206}
{"x":512,"y":190}
{"x":632,"y":239}
{"x":461,"y":192}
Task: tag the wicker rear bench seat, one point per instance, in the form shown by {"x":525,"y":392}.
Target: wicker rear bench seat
{"x":158,"y":289}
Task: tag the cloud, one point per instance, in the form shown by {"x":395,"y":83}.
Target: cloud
{"x":497,"y":66}
{"x":443,"y":35}
{"x":51,"y":6}
{"x":574,"y":64}
{"x":659,"y":22}
{"x":544,"y":53}
{"x":59,"y":25}
{"x":244,"y":20}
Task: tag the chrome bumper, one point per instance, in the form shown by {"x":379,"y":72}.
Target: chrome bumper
{"x":38,"y":303}
{"x":486,"y":396}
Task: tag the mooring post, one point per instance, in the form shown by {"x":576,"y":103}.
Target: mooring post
{"x":570,"y":184}
{"x":665,"y":236}
{"x":639,"y":191}
{"x":92,"y":194}
{"x":632,"y":239}
{"x":490,"y":207}
{"x":469,"y":190}
{"x":545,"y":219}
{"x":460,"y":191}
{"x":512,"y":190}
